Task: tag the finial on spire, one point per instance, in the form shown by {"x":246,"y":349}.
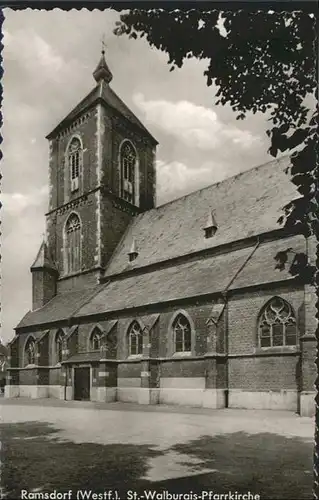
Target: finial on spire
{"x":103,"y":44}
{"x":102,"y":71}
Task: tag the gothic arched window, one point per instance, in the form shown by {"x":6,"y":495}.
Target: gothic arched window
{"x":182,"y":334}
{"x":277,"y":324}
{"x":59,"y":346}
{"x":95,"y":340}
{"x":74,"y":161}
{"x":72,"y":243}
{"x":30,"y":352}
{"x":135,"y":336}
{"x":128,"y":166}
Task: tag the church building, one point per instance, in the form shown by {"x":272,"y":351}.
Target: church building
{"x":182,"y":303}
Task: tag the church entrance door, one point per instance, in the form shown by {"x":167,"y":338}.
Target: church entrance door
{"x":82,"y":383}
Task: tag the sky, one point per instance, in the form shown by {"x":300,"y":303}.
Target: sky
{"x":48,"y":60}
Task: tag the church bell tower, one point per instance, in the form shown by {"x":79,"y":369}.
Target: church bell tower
{"x":101,"y":175}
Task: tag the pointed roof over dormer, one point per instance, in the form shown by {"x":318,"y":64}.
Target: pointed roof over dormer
{"x":133,"y":253}
{"x":43,"y":259}
{"x":211,"y":225}
{"x":211,"y":221}
{"x":102,"y":71}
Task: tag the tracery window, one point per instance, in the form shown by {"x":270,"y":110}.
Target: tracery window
{"x":59,"y":346}
{"x":30,"y":352}
{"x":135,"y":336}
{"x":182,"y":334}
{"x":74,"y":157}
{"x":277,"y":324}
{"x":128,"y":165}
{"x":95,"y":341}
{"x":73,"y":244}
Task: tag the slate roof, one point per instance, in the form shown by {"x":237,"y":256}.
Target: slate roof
{"x":61,"y":307}
{"x":108,"y":327}
{"x":198,"y":277}
{"x":245,"y":205}
{"x":102,"y":92}
{"x":43,"y":259}
{"x":84,"y":357}
{"x":149,"y":321}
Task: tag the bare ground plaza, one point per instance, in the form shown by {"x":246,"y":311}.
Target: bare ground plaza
{"x":131,"y":450}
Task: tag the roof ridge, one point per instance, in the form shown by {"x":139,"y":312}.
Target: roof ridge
{"x":255,"y":167}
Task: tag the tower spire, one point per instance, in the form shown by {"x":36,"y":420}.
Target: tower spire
{"x":102,"y":71}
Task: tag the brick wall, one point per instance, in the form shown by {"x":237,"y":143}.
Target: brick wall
{"x":28,"y":376}
{"x":86,"y":131}
{"x":43,"y":287}
{"x":263,"y":373}
{"x":113,"y":225}
{"x":55,"y":376}
{"x":79,"y":281}
{"x":84,"y":333}
{"x":198,"y":314}
{"x":246,"y":368}
{"x":129,"y":370}
{"x":56,"y":222}
{"x":183,"y":368}
{"x":111,"y":170}
{"x":23,"y":338}
{"x":243,"y":312}
{"x":14,"y":352}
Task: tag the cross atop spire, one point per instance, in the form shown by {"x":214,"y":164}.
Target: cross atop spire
{"x":102,"y":72}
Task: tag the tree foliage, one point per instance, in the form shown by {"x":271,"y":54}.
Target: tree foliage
{"x":260,"y":62}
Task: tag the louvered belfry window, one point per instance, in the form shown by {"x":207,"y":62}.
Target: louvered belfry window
{"x":74,"y":153}
{"x":277,"y":324}
{"x":128,"y":165}
{"x":73,"y":244}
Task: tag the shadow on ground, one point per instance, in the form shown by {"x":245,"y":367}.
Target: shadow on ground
{"x":36,"y":459}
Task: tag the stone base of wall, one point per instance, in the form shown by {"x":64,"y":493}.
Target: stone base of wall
{"x":307,"y":404}
{"x":34,"y":391}
{"x":56,"y":392}
{"x":214,"y":398}
{"x":128,"y":394}
{"x":68,"y":393}
{"x":281,"y":400}
{"x":103,"y":394}
{"x":12,"y":391}
{"x":196,"y":397}
{"x":181,"y":397}
{"x":201,"y":398}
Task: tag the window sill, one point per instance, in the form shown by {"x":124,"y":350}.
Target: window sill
{"x":135,"y":356}
{"x":277,"y":349}
{"x":183,"y":354}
